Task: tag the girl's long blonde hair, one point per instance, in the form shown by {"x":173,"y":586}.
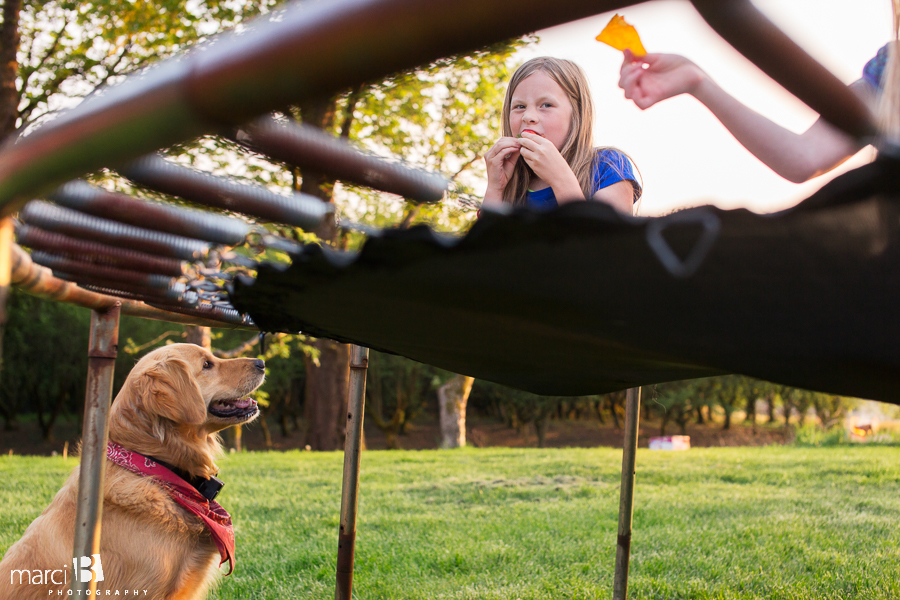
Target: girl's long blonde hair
{"x":578,"y":148}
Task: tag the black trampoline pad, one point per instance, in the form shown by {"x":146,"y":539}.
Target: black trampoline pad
{"x":582,"y":301}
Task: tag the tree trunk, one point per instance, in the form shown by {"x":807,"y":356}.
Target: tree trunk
{"x":200,"y":336}
{"x":452,"y":399}
{"x":327,"y":387}
{"x":9,"y":67}
{"x":540,"y":428}
{"x":751,"y":412}
{"x":700,"y":419}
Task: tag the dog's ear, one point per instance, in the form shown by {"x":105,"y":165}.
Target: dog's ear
{"x":172,"y":392}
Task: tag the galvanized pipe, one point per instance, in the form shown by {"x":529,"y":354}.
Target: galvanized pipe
{"x":89,"y":512}
{"x":309,"y":147}
{"x":201,"y":225}
{"x":39,"y":281}
{"x":95,"y":252}
{"x":73,"y":223}
{"x":359,"y":363}
{"x":626,"y":493}
{"x":156,"y":173}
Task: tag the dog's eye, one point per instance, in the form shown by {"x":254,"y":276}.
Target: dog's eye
{"x":207,"y":364}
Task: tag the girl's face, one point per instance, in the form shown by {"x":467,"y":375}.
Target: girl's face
{"x":541,"y":105}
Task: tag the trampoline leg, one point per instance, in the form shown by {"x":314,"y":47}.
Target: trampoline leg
{"x":359,"y":362}
{"x":626,"y":493}
{"x":101,"y":364}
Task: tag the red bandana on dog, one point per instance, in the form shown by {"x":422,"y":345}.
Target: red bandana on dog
{"x":216,"y":518}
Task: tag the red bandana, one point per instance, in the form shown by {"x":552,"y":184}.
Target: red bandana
{"x":216,"y":518}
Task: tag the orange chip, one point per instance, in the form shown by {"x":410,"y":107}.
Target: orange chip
{"x":621,"y":36}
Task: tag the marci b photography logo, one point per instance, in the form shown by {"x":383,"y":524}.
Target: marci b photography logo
{"x":85,"y":568}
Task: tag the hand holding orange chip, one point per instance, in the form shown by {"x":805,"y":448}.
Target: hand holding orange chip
{"x":621,"y":36}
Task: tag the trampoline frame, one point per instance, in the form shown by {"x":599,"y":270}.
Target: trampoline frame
{"x":242,"y":77}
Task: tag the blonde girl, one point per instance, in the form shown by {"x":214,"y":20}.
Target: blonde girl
{"x":546,"y":156}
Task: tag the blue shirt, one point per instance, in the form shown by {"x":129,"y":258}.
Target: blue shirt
{"x":873,"y":72}
{"x":610,"y":167}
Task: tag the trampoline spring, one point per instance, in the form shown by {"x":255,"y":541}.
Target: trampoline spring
{"x":308,"y":147}
{"x":368,"y":230}
{"x":227,"y":315}
{"x":203,"y":285}
{"x":101,"y":272}
{"x":239,"y":260}
{"x":283,"y":244}
{"x":212,"y":296}
{"x":175,"y":291}
{"x":73,"y":223}
{"x":213,"y":274}
{"x":81,"y":196}
{"x":96,"y":253}
{"x":299,"y":210}
{"x":189,"y":299}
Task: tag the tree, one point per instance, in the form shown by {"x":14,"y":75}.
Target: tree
{"x":57,"y":51}
{"x":453,"y":396}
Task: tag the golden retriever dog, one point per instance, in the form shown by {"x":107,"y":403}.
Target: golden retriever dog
{"x":171,"y":408}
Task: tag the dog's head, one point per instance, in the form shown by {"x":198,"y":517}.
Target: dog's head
{"x":175,"y":400}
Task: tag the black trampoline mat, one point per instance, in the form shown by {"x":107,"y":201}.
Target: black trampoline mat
{"x":583,"y":301}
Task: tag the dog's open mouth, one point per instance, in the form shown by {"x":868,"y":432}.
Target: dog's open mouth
{"x":233,"y":409}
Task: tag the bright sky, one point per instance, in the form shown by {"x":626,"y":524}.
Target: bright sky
{"x":685,"y":156}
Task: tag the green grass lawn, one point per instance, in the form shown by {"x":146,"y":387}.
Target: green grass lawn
{"x":774,"y":522}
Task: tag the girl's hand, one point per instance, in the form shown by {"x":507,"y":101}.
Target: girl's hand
{"x":654,"y":77}
{"x":546,"y":162}
{"x":500,"y":161}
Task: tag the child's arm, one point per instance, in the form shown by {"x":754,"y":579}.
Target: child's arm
{"x":619,"y":195}
{"x":796,"y":157}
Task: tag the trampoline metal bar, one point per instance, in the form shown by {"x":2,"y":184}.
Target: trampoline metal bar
{"x":101,"y":365}
{"x":359,"y":362}
{"x":6,"y":244}
{"x":626,"y":493}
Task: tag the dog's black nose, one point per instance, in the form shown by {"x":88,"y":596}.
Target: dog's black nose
{"x":260,"y":364}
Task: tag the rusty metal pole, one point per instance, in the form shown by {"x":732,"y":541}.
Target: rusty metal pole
{"x":626,"y":493}
{"x":101,"y":363}
{"x":359,"y":363}
{"x":6,"y":243}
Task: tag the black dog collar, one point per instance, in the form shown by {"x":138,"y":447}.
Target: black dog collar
{"x":208,"y":488}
